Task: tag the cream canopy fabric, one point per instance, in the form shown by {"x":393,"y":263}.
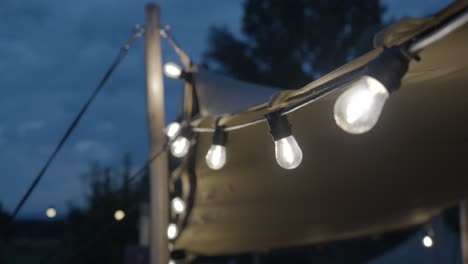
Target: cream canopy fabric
{"x":398,"y":175}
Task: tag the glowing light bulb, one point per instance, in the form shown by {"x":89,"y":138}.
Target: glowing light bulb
{"x":288,"y":153}
{"x":119,"y":215}
{"x":51,"y":212}
{"x":428,"y":242}
{"x":180,"y":147}
{"x":178,"y":205}
{"x":358,"y":109}
{"x":172,"y":130}
{"x":172,"y":261}
{"x":172,"y":70}
{"x":216,"y":157}
{"x":172,"y":231}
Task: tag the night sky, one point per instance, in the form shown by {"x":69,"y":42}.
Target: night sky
{"x":53,"y":53}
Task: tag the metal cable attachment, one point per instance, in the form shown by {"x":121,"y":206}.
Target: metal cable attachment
{"x":167,"y":34}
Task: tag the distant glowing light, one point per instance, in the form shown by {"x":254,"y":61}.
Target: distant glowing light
{"x":172,"y":231}
{"x":428,"y":242}
{"x":119,"y":215}
{"x":172,"y":261}
{"x":51,"y":212}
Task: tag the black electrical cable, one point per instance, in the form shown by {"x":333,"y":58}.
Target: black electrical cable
{"x":139,"y":173}
{"x":415,"y":45}
{"x":120,"y":56}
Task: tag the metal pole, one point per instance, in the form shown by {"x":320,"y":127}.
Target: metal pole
{"x":464,"y":230}
{"x":159,"y":196}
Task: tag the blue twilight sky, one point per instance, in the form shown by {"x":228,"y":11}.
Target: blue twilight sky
{"x":52,"y":53}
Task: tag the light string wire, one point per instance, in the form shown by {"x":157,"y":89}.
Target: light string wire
{"x":138,"y":32}
{"x":414,"y":46}
{"x":139,"y":173}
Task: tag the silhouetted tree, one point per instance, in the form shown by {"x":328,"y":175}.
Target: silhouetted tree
{"x":289,"y":43}
{"x":92,"y":234}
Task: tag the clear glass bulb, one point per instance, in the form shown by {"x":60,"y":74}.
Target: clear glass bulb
{"x":288,"y":153}
{"x":358,"y":109}
{"x":180,"y":147}
{"x":216,"y":157}
{"x":172,"y":70}
{"x":172,"y":231}
{"x":172,"y":129}
{"x":178,"y":205}
{"x":428,"y":242}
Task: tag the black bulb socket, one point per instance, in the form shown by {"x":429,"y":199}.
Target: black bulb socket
{"x":219,"y":136}
{"x":279,"y":126}
{"x":390,"y":67}
{"x":185,"y":131}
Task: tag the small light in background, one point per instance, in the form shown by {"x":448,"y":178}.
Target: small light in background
{"x":51,"y":212}
{"x":119,"y":215}
{"x":428,"y":242}
{"x":172,"y":261}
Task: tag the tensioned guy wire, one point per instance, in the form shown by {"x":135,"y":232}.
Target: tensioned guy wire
{"x":139,"y":31}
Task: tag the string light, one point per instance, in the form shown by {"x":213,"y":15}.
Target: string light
{"x":428,"y":241}
{"x":172,"y":261}
{"x":216,"y":156}
{"x":119,"y":215}
{"x":358,"y":109}
{"x":287,"y":151}
{"x":51,"y":212}
{"x":178,"y":205}
{"x":172,"y":231}
{"x":172,"y":130}
{"x":181,"y":145}
{"x":172,"y":70}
